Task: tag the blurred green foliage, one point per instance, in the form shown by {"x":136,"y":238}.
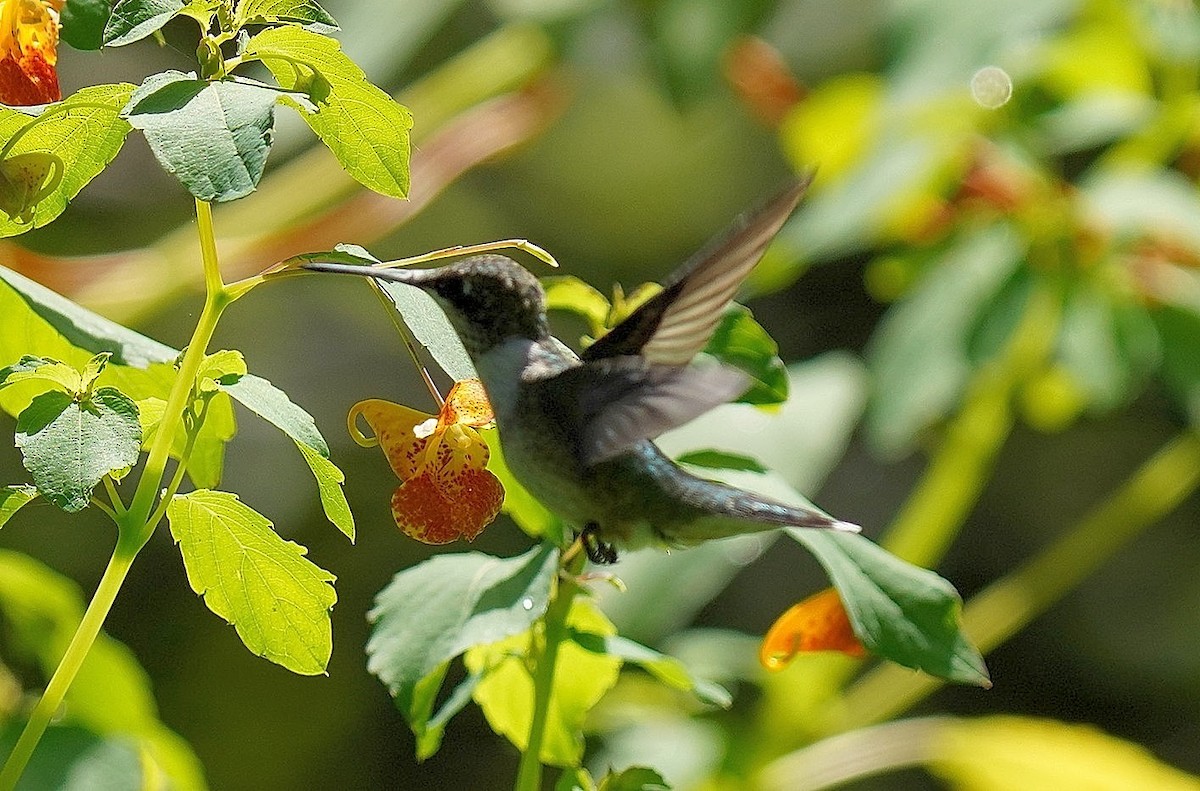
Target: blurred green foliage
{"x":1028,"y":275}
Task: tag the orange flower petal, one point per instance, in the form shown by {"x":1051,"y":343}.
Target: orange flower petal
{"x":819,"y":623}
{"x":28,"y":52}
{"x":393,"y":426}
{"x":467,"y":404}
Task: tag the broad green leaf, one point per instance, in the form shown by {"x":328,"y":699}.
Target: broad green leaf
{"x":899,"y":611}
{"x":1029,"y":754}
{"x":529,"y":514}
{"x":634,"y":778}
{"x":666,"y":669}
{"x":306,"y":13}
{"x":721,"y":460}
{"x":84,"y":131}
{"x":569,"y":293}
{"x":276,"y":599}
{"x":272,"y":404}
{"x":919,"y":355}
{"x":68,"y":445}
{"x":429,"y":737}
{"x":1179,"y":329}
{"x":213,"y":136}
{"x":83,"y":23}
{"x":220,"y":367}
{"x":431,"y":329}
{"x":365,"y":129}
{"x":111,"y":693}
{"x":581,"y":678}
{"x":434,"y":611}
{"x":741,"y":341}
{"x":31,"y":368}
{"x":132,"y":20}
{"x":12,"y":498}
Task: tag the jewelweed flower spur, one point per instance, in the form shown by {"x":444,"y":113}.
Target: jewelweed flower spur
{"x":445,"y":490}
{"x":819,"y":623}
{"x":29,"y":51}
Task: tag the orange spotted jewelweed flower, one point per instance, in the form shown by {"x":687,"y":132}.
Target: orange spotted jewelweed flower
{"x":445,"y":490}
{"x":29,"y":51}
{"x":819,"y":623}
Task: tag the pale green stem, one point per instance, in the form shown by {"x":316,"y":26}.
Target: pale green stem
{"x":1006,"y":606}
{"x":135,"y":525}
{"x":529,"y":772}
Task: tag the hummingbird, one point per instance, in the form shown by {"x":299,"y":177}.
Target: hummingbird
{"x":578,"y":431}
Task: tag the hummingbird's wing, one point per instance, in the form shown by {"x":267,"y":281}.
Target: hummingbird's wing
{"x":647,"y":384}
{"x":674,"y":325}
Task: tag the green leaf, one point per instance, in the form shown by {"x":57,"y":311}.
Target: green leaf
{"x":919,"y":355}
{"x":666,"y":669}
{"x":741,"y":341}
{"x":272,"y":404}
{"x":434,"y":611}
{"x":365,"y":129}
{"x":635,"y":778}
{"x":12,"y":498}
{"x":74,"y":759}
{"x":84,"y":131}
{"x":111,"y":694}
{"x":32,"y":368}
{"x":83,"y":23}
{"x":569,"y":293}
{"x":581,"y":678}
{"x":899,"y":611}
{"x":276,"y":599}
{"x":429,"y":738}
{"x":306,"y":13}
{"x":213,"y":136}
{"x":1179,"y":330}
{"x":68,"y":445}
{"x":220,"y":367}
{"x":721,"y":460}
{"x":132,"y":20}
{"x":431,"y":329}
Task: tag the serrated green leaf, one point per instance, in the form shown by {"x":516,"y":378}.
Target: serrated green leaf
{"x":276,"y":599}
{"x":431,"y":329}
{"x":12,"y":498}
{"x":132,"y":20}
{"x":213,"y":136}
{"x":306,"y":13}
{"x":434,"y":611}
{"x":272,"y":404}
{"x":365,"y":129}
{"x":69,"y":445}
{"x":899,"y":611}
{"x":581,"y":678}
{"x":84,"y":131}
{"x":83,"y":23}
{"x":329,"y":486}
{"x":30,"y":368}
{"x":741,"y":341}
{"x":666,"y":669}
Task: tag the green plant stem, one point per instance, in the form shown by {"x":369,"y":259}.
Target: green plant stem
{"x":68,"y":667}
{"x":529,"y":772}
{"x":1006,"y":606}
{"x":135,"y":525}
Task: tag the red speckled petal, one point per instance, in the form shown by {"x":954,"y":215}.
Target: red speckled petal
{"x":467,"y":404}
{"x":819,"y":623}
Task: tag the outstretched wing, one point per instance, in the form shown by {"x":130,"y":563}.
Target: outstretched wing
{"x":673,"y":326}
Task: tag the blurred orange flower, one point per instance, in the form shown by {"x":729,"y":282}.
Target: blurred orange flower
{"x":819,"y":623}
{"x":28,"y":51}
{"x":445,"y":490}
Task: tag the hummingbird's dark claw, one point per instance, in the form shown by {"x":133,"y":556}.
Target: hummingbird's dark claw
{"x":598,"y":551}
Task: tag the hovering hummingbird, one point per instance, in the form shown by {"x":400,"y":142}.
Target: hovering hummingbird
{"x":578,"y":431}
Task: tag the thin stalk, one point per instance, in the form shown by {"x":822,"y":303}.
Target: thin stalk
{"x":136,"y":524}
{"x":1009,"y":604}
{"x":408,"y":343}
{"x":68,"y":667}
{"x":529,"y":772}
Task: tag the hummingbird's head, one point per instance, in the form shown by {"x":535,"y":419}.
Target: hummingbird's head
{"x":488,"y":298}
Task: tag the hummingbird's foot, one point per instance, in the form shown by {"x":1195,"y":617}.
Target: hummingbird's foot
{"x":599,"y":552}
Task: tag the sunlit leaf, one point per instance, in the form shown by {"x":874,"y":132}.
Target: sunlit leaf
{"x":364,"y":128}
{"x":581,"y":678}
{"x":12,"y":498}
{"x":741,"y":341}
{"x":83,"y":23}
{"x":68,"y":444}
{"x":434,"y":611}
{"x":525,"y":509}
{"x":276,"y":599}
{"x":132,"y":20}
{"x":666,"y":669}
{"x":303,"y":12}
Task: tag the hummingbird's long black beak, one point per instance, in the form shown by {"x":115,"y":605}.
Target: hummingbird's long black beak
{"x":413,"y":277}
